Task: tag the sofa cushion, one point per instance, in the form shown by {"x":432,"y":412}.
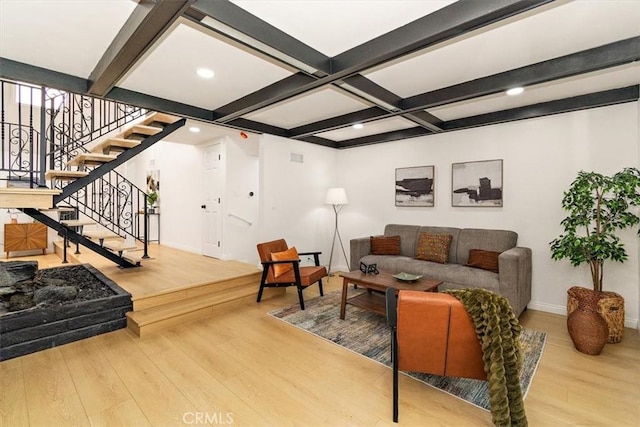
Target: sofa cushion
{"x":289,"y":254}
{"x":490,"y":240}
{"x":433,"y":247}
{"x":485,"y":260}
{"x":408,"y":237}
{"x":385,"y":245}
{"x":455,"y":232}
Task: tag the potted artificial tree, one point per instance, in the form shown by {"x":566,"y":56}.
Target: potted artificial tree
{"x":152,"y":198}
{"x":598,"y":207}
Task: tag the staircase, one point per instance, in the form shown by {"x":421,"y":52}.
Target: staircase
{"x":75,"y":175}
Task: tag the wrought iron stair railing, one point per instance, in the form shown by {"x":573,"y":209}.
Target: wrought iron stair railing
{"x":68,"y":123}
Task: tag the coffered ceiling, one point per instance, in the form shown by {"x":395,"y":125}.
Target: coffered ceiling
{"x":310,"y":69}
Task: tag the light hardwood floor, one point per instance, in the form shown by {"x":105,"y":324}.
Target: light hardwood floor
{"x":243,"y":367}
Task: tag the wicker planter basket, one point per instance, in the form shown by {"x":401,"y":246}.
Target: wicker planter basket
{"x":610,"y":306}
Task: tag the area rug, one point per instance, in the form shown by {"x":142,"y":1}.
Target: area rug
{"x":367,"y":333}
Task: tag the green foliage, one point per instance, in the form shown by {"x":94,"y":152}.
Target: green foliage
{"x":598,"y":206}
{"x":152,"y":197}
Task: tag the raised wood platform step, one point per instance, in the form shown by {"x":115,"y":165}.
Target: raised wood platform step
{"x":37,"y":198}
{"x":165,"y":309}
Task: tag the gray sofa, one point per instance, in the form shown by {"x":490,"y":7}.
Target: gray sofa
{"x":513,"y":281}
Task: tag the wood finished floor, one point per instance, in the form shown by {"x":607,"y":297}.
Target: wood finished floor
{"x":242,"y":367}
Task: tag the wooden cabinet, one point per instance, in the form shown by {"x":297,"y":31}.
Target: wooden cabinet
{"x":25,"y":237}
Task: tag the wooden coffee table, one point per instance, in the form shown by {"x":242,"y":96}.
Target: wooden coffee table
{"x":373,"y":301}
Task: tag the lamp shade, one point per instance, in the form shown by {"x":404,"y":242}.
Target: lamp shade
{"x":336,"y":196}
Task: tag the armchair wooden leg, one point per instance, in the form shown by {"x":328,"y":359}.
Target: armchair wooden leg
{"x":300,"y":297}
{"x":263,"y":280}
{"x":320,"y":285}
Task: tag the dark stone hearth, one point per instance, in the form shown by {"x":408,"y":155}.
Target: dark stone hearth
{"x":54,"y":294}
{"x":71,"y":303}
{"x":12,"y":272}
{"x":20,"y":302}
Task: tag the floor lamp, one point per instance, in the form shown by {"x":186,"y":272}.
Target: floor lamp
{"x":337,"y":197}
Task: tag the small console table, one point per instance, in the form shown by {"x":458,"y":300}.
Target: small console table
{"x":25,"y":237}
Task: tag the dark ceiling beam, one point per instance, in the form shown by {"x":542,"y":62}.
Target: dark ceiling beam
{"x":240,"y":20}
{"x":159,"y":104}
{"x":606,"y":56}
{"x":379,"y":138}
{"x":425,"y":119}
{"x":256,"y":100}
{"x":147,"y":23}
{"x":566,"y":105}
{"x":360,"y":116}
{"x":258,"y":127}
{"x":441,"y":25}
{"x":448,"y":22}
{"x":21,"y":72}
{"x":378,"y":92}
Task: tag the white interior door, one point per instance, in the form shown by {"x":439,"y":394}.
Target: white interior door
{"x":212,"y":206}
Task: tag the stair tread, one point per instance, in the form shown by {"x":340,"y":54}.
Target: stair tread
{"x":59,"y":174}
{"x":142,"y":130}
{"x":119,"y":246}
{"x":86,"y":158}
{"x":60,"y":209}
{"x":77,"y":222}
{"x":119,"y":143}
{"x":101,"y":234}
{"x":161,"y":117}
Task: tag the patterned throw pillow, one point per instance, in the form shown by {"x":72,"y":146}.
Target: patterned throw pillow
{"x":486,"y":260}
{"x":289,"y":254}
{"x":385,"y":245}
{"x":433,"y":247}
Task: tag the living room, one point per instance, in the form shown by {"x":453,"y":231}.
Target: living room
{"x":540,"y":156}
{"x":244,"y":367}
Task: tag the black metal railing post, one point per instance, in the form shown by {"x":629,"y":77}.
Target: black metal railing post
{"x":43,"y":140}
{"x":146,"y":231}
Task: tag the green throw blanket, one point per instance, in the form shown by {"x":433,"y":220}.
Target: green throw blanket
{"x":498,"y":330}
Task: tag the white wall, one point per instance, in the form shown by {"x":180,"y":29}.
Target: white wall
{"x":541,"y":157}
{"x":292,"y":194}
{"x":240,"y":209}
{"x":181,"y":172}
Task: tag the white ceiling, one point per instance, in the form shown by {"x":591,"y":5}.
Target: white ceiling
{"x":72,"y":36}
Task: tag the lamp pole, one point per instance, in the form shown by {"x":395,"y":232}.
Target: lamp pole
{"x":337,"y":197}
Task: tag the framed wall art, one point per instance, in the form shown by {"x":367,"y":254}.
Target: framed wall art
{"x":476,"y":183}
{"x":414,"y":186}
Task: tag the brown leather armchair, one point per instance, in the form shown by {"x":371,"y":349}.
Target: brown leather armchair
{"x":431,"y":333}
{"x":281,"y":268}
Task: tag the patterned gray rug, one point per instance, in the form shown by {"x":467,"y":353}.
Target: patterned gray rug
{"x":367,"y":333}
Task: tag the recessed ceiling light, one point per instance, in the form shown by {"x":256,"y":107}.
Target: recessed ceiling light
{"x":205,"y":73}
{"x":515,"y":91}
{"x":358,"y":126}
{"x":194,"y":129}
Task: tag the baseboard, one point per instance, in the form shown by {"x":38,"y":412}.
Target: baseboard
{"x":562,"y":310}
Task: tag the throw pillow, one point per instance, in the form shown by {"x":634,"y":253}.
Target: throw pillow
{"x":385,"y":245}
{"x":289,"y":254}
{"x":486,"y":260}
{"x":433,"y":247}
